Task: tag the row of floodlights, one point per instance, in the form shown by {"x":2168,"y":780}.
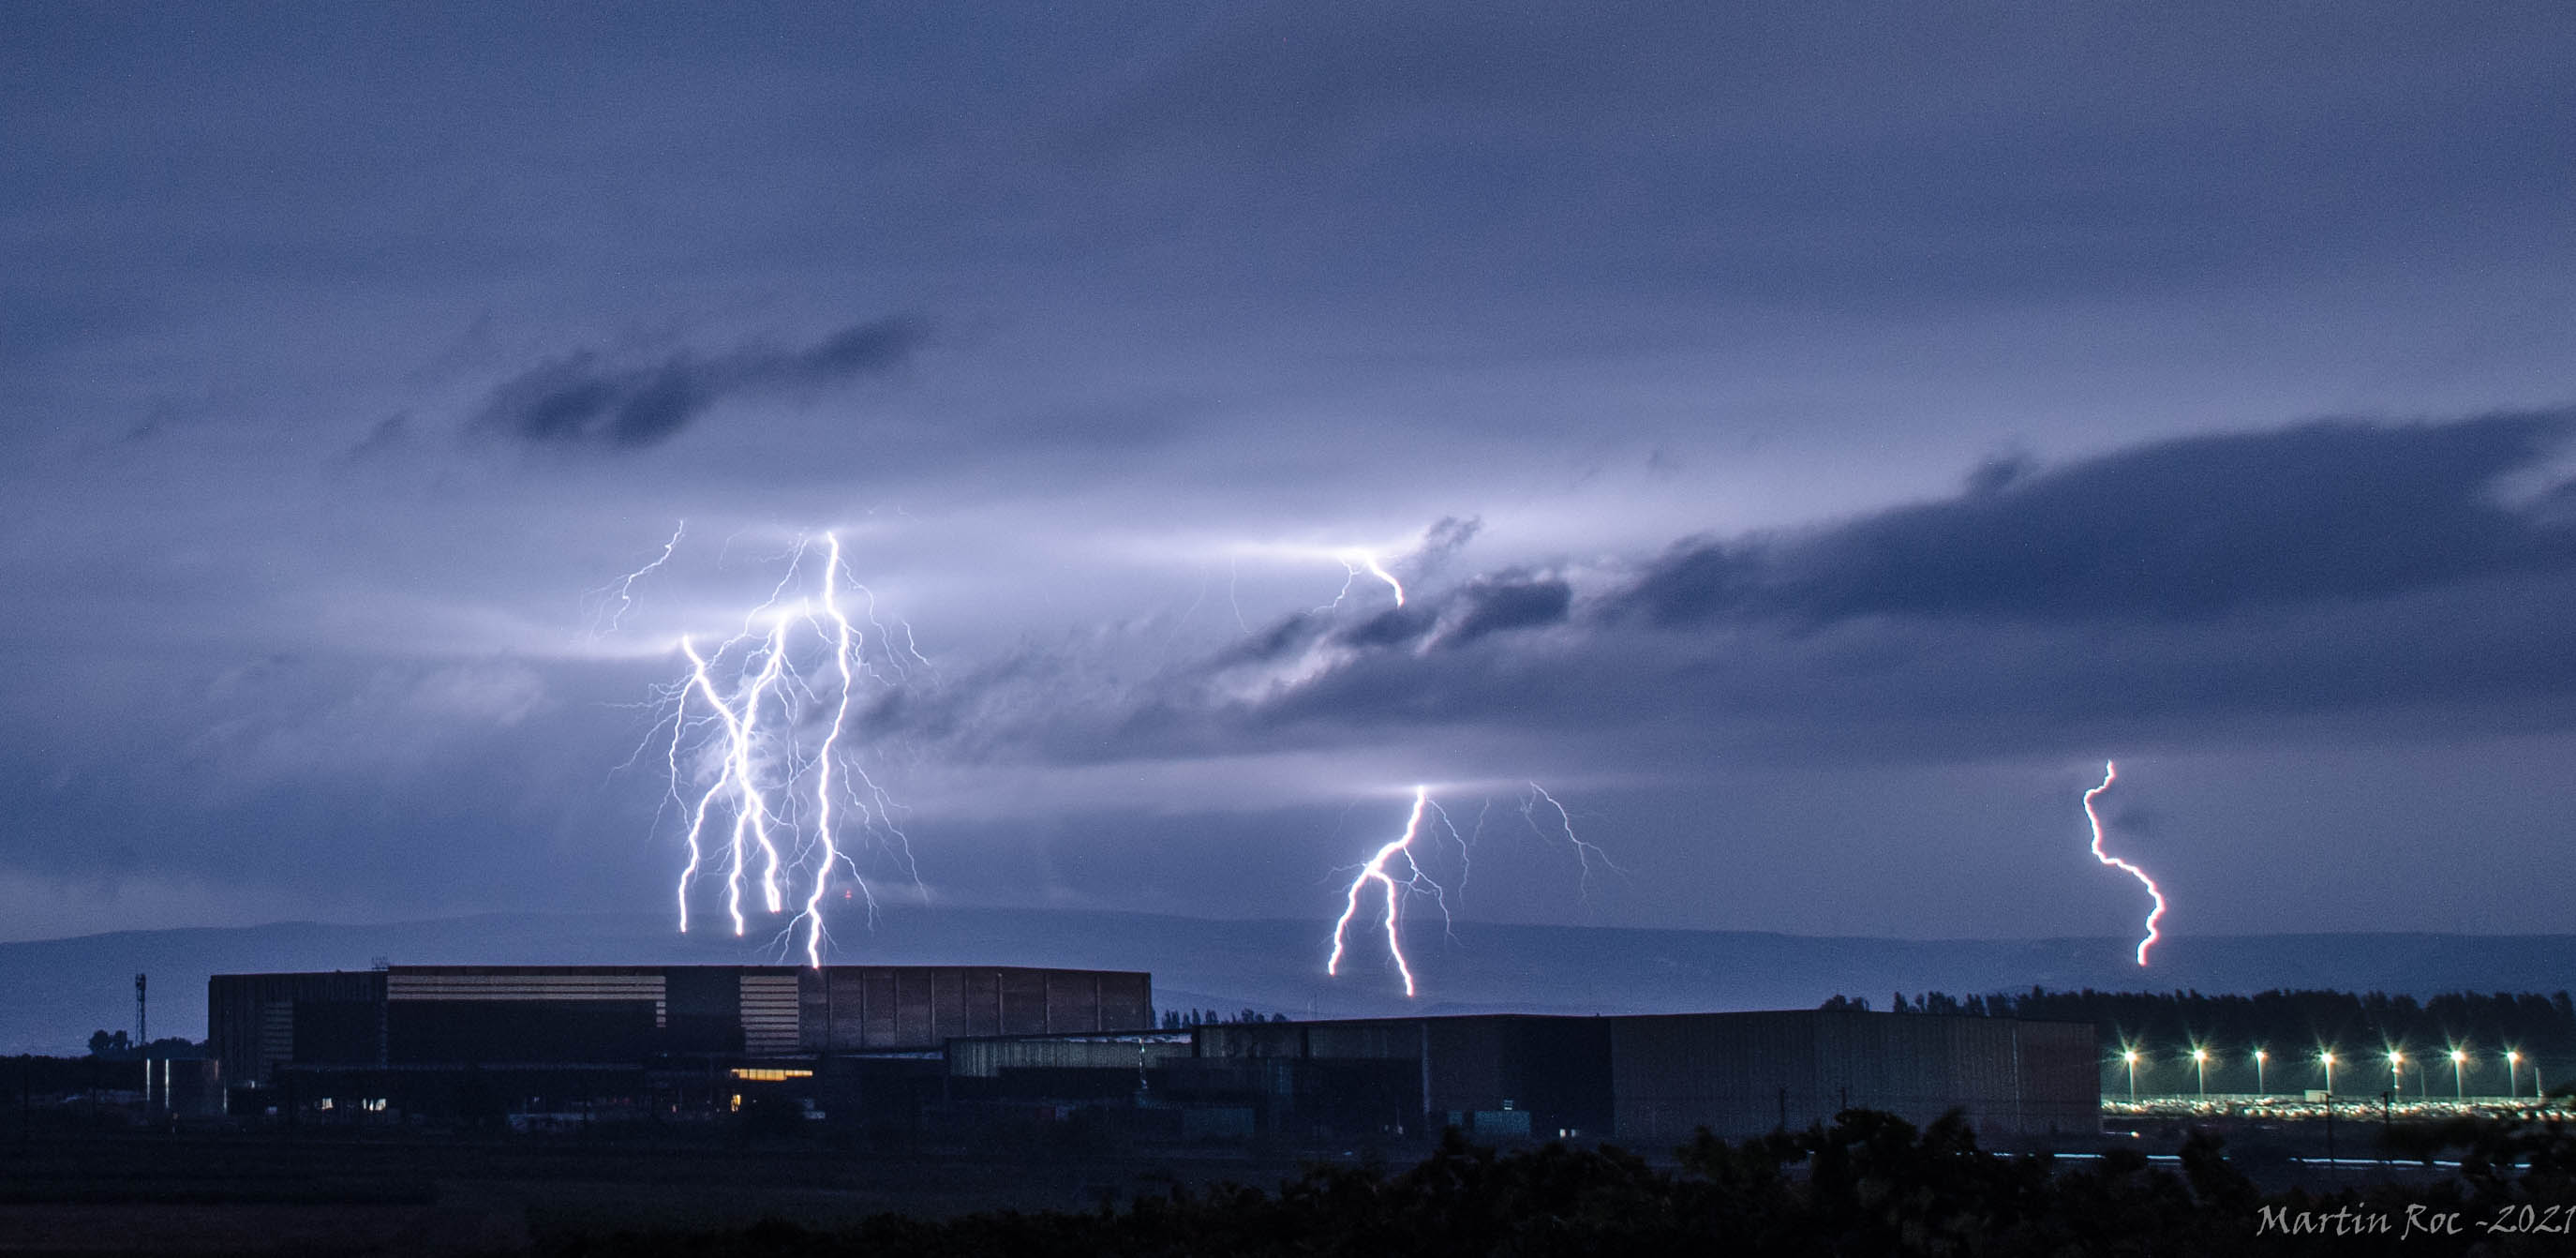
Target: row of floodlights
{"x":2200,"y":1058}
{"x":2325,"y":1057}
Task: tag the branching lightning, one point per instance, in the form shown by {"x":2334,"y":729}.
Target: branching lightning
{"x":618,"y":595}
{"x":1378,"y":870}
{"x":1356,"y":561}
{"x":1584,"y":852}
{"x":2110,"y":774}
{"x":1396,"y":871}
{"x":758,"y":751}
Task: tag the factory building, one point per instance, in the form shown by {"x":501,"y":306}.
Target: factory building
{"x":1646,"y":1080}
{"x":927,"y":1048}
{"x":621,"y":1033}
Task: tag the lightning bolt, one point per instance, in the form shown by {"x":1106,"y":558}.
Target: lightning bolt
{"x":1377,"y":871}
{"x":1585,"y":853}
{"x":2110,"y":774}
{"x":1357,"y":561}
{"x":758,"y":756}
{"x":618,"y":595}
{"x":1395,"y":870}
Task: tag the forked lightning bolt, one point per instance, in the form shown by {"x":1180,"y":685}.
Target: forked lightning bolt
{"x":1378,"y":870}
{"x":1357,"y":561}
{"x":2110,"y":774}
{"x":617,"y":596}
{"x":1396,"y":871}
{"x":757,"y":755}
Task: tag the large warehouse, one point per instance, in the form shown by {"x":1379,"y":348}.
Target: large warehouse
{"x":953,"y":1047}
{"x":490,"y":1015}
{"x":1643,"y":1079}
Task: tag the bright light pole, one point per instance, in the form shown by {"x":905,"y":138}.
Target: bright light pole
{"x":2131,"y":1056}
{"x":2259,"y":1056}
{"x":2459,"y":1062}
{"x":2328,"y":1059}
{"x":2396,"y":1063}
{"x":2513,"y":1072}
{"x":2200,"y":1066}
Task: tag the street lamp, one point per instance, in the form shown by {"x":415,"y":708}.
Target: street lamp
{"x":2513,"y":1072}
{"x":2130,"y":1055}
{"x":2259,"y":1058}
{"x":2200,"y":1066}
{"x":2396,"y":1063}
{"x":2328,"y":1059}
{"x":2459,"y":1062}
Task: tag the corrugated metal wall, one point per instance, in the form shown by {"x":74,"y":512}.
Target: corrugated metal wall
{"x":755,"y":1010}
{"x":985,"y":1059}
{"x":1659,"y":1078}
{"x":769,"y":1013}
{"x":250,"y":1018}
{"x":849,"y":1008}
{"x":1740,"y":1074}
{"x":532,"y":982}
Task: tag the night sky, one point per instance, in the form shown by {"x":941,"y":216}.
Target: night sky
{"x":1813,"y":438}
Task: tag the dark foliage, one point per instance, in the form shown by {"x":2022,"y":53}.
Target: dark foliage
{"x":1179,"y":1019}
{"x":118,"y":1046}
{"x":1871,"y":1184}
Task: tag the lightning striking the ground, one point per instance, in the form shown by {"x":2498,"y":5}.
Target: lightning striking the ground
{"x":758,"y":752}
{"x":2110,"y":774}
{"x":1379,"y":870}
{"x":1396,"y":871}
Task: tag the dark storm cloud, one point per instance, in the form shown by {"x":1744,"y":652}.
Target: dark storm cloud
{"x":2328,"y":572}
{"x":1496,"y":605}
{"x":584,"y":400}
{"x":2189,"y":528}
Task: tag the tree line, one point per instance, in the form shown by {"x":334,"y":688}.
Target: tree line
{"x":1869,"y":1184}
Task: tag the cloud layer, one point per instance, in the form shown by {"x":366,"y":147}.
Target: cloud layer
{"x":582,"y":400}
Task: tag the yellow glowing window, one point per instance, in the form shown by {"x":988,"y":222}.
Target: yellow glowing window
{"x":764,"y":1074}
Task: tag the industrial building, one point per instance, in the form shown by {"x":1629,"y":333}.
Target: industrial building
{"x":1641,"y":1079}
{"x":409,"y":1015}
{"x":954,"y":1047}
{"x":429,"y":1037}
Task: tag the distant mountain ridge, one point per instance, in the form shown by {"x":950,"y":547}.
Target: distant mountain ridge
{"x":53,"y":993}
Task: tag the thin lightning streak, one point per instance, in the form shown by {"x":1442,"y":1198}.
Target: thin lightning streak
{"x":1376,"y":871}
{"x":823,"y":762}
{"x":2110,"y":774}
{"x":1584,"y":853}
{"x":623,"y":589}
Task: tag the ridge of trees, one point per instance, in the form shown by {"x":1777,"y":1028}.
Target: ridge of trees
{"x":1870,"y":1183}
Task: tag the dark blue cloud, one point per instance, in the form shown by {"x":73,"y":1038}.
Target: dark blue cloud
{"x":1495,"y":606}
{"x":2191,"y":528}
{"x":582,"y":400}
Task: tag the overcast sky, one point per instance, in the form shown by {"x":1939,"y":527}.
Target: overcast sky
{"x":1812,"y":439}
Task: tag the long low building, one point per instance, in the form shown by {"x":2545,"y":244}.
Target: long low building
{"x":910,"y":1046}
{"x":1644,"y":1079}
{"x":554,"y":1015}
